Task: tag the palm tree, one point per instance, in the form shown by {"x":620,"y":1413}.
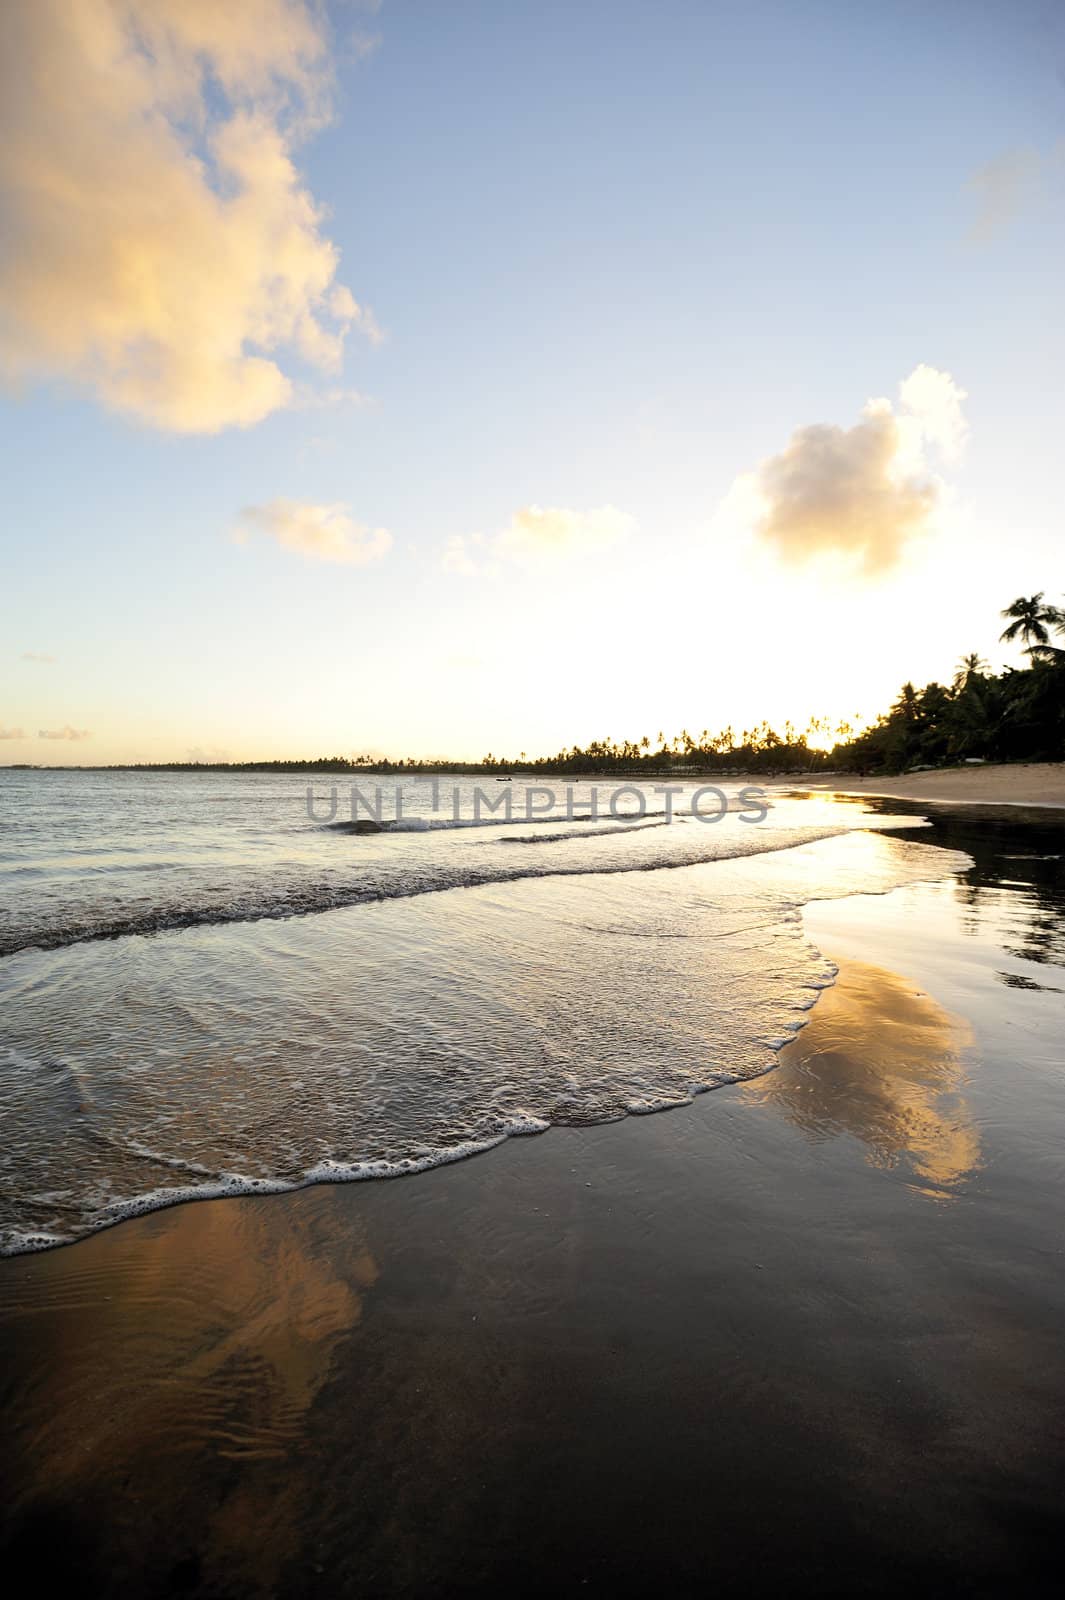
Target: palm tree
{"x":1047,"y":654}
{"x":972,"y":666}
{"x":907,"y":705}
{"x":1028,"y":617}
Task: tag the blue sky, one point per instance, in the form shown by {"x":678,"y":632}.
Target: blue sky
{"x":619,"y":254}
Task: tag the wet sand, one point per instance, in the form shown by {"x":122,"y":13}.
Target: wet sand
{"x":803,"y":1335}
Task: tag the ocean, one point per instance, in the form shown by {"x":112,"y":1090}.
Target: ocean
{"x":206,"y":989}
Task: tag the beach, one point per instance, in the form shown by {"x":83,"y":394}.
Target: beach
{"x":532,"y":800}
{"x":1022,"y":783}
{"x":803,"y":1331}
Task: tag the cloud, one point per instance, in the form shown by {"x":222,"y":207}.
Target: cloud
{"x":316,"y":397}
{"x":1001,"y":189}
{"x":204,"y":756}
{"x":319,"y":532}
{"x":552,"y":530}
{"x":12,"y":733}
{"x":540,"y":534}
{"x":160,"y":247}
{"x":860,"y":493}
{"x":361,"y":317}
{"x":457,"y":557}
{"x":74,"y":734}
{"x":38,"y":656}
{"x":931,"y":414}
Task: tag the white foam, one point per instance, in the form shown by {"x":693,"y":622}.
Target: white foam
{"x":361,"y":1047}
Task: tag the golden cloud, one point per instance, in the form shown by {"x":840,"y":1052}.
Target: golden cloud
{"x":553,"y":530}
{"x":319,"y":532}
{"x":861,"y":492}
{"x":159,"y":246}
{"x":539,"y":533}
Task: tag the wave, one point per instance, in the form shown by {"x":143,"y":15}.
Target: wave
{"x":590,"y":833}
{"x":232,"y":1185}
{"x":364,"y":825}
{"x":338,"y":1051}
{"x":387,"y":881}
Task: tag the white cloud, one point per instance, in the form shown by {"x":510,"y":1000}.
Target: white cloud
{"x":931,"y":411}
{"x":538,"y":534}
{"x":39,"y":656}
{"x":457,"y":557}
{"x":73,"y":734}
{"x":860,"y":493}
{"x":319,"y":532}
{"x":159,"y":245}
{"x":12,"y":733}
{"x":1001,"y":189}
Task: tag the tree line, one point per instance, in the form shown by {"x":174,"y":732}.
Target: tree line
{"x":1014,"y":715}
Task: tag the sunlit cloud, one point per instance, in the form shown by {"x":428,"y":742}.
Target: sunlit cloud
{"x":553,"y":530}
{"x":12,"y":733}
{"x":539,"y":534}
{"x":73,"y":734}
{"x":458,"y":557}
{"x":39,"y":656}
{"x":930,"y":415}
{"x":319,"y":532}
{"x":160,"y":247}
{"x":859,"y":493}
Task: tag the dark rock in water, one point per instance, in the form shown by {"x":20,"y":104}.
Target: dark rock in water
{"x":362,"y":825}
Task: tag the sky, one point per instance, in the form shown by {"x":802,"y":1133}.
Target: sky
{"x":448,"y":376}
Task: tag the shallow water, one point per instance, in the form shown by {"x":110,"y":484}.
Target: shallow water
{"x":835,"y":1285}
{"x":88,"y":855}
{"x":384,"y":1025}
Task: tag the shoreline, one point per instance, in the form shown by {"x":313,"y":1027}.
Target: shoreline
{"x":806,"y":1323}
{"x":230,"y":1186}
{"x":234,"y":1187}
{"x":1036,"y":784}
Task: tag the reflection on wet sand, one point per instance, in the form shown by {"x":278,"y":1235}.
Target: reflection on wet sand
{"x":1016,"y":876}
{"x":216,"y":1335}
{"x":882,"y":1061}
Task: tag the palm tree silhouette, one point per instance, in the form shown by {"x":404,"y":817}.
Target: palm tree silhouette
{"x":1028,"y":618}
{"x":971,"y":666}
{"x":907,"y":705}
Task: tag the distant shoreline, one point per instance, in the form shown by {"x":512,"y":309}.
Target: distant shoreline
{"x":1019,"y":783}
